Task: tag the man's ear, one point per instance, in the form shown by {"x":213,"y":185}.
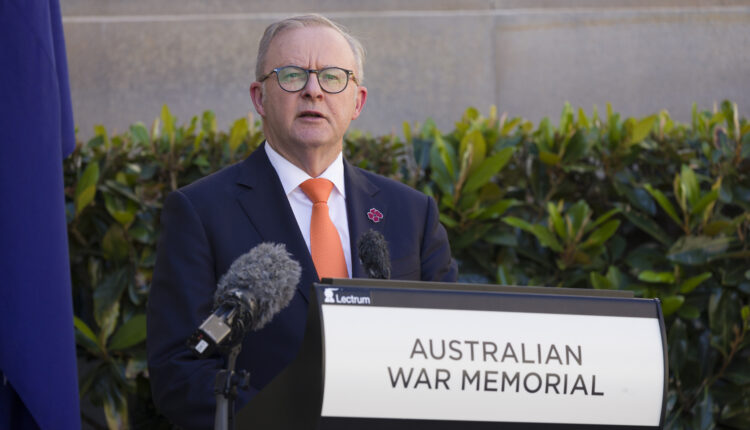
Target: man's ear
{"x":256,"y":94}
{"x":359,"y":101}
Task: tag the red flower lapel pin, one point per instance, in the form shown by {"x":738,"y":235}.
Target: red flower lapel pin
{"x":375,"y":215}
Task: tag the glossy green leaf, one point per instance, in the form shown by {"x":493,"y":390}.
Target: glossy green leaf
{"x":600,"y":282}
{"x":208,"y":122}
{"x":499,"y":208}
{"x":715,"y":228}
{"x":566,"y":118}
{"x":557,"y":221}
{"x":470,"y":114}
{"x":129,"y":334}
{"x":647,"y":225}
{"x":695,"y":117}
{"x":509,"y":126}
{"x":549,"y":158}
{"x":490,"y":192}
{"x":448,"y":221}
{"x":656,"y":277}
{"x":198,"y":140}
{"x":122,"y":211}
{"x":101,"y":132}
{"x":615,"y":277}
{"x":474,"y":142}
{"x":724,"y":315}
{"x":86,"y":337}
{"x":517,"y":222}
{"x":440,"y":175}
{"x":638,"y":197}
{"x":615,"y":130}
{"x":489,"y":168}
{"x":114,"y":245}
{"x":86,"y":186}
{"x":116,"y":413}
{"x":642,"y":129}
{"x":599,"y":221}
{"x":688,"y":285}
{"x":106,"y":302}
{"x":583,"y":120}
{"x":503,"y":275}
{"x":600,"y":235}
{"x":576,"y":147}
{"x":470,"y":236}
{"x":704,"y":201}
{"x":689,"y":312}
{"x":697,"y":250}
{"x":139,"y":133}
{"x":191,"y":128}
{"x":680,"y":193}
{"x":169,"y":123}
{"x":202,"y":162}
{"x":690,"y":184}
{"x":155,"y":129}
{"x":671,"y":304}
{"x":406,"y":127}
{"x":238,"y":134}
{"x":121,"y":189}
{"x":545,"y":134}
{"x":142,"y":234}
{"x":665,"y":204}
{"x":429,"y":129}
{"x":446,"y":154}
{"x":544,"y":236}
{"x":579,"y":215}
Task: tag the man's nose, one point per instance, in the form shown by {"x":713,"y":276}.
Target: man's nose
{"x":312,"y":87}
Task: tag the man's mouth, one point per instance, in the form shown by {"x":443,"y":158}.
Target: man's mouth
{"x":310,"y":114}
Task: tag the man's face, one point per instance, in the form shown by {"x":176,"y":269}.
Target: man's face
{"x":311,"y":119}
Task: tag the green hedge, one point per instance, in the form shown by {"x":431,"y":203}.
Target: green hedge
{"x":599,"y":201}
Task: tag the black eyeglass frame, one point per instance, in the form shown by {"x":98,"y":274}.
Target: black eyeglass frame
{"x":349,"y":75}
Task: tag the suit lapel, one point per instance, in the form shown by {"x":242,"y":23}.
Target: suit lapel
{"x":361,"y":196}
{"x":263,"y":200}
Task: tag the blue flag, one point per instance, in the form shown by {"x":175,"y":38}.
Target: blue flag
{"x":38,"y":380}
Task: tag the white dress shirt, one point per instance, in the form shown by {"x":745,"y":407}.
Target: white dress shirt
{"x":292,"y":176}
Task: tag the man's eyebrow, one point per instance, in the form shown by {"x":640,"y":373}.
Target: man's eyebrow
{"x":332,"y":65}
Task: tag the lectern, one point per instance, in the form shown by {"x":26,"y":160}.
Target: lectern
{"x":423,"y":355}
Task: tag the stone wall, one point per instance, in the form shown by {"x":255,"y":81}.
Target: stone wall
{"x":426,"y":58}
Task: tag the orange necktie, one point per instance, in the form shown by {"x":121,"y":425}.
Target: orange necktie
{"x":325,"y":243}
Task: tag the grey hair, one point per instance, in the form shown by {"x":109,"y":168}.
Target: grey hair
{"x":312,"y":20}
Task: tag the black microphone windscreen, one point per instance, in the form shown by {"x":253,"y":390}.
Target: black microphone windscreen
{"x":373,"y":252}
{"x":266,"y":274}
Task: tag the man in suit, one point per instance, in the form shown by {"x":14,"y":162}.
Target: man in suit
{"x":307,"y":90}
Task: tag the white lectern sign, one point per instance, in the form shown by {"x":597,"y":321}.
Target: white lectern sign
{"x":403,"y":355}
{"x":504,"y":362}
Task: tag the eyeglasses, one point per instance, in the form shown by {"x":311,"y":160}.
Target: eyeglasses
{"x":332,"y":80}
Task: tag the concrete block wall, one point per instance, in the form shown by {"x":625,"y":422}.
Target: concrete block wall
{"x":425,"y":58}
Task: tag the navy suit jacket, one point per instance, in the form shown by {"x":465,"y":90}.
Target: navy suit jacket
{"x":208,"y":224}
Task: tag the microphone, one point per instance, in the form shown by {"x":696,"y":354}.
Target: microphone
{"x":258,"y":285}
{"x":373,"y":253}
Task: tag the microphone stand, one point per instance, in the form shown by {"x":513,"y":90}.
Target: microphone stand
{"x":225,"y":388}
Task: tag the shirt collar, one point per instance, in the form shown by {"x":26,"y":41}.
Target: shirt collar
{"x":292,"y":176}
